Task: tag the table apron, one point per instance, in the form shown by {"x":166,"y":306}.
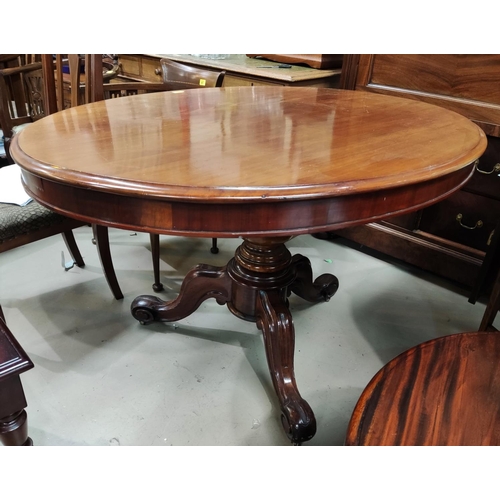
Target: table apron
{"x":235,"y":218}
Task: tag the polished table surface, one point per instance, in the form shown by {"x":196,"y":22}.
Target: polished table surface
{"x":262,"y":163}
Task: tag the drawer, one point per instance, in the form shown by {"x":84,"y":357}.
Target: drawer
{"x":151,"y":70}
{"x":464,"y":218}
{"x":130,"y":65}
{"x":141,"y":68}
{"x":486,"y":178}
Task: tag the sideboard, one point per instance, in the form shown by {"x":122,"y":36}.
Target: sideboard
{"x":452,"y":237}
{"x":240,"y":70}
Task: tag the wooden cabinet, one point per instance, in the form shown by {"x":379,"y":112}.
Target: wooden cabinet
{"x":240,"y":70}
{"x":451,"y":237}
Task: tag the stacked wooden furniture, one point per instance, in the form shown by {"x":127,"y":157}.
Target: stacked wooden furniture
{"x":241,"y":71}
{"x":451,"y":237}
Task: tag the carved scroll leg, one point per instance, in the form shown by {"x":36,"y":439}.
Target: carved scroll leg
{"x":321,"y":290}
{"x":201,"y":283}
{"x":275,"y":321}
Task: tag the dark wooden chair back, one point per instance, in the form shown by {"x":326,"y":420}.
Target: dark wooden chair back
{"x":21,"y":100}
{"x":73,"y":79}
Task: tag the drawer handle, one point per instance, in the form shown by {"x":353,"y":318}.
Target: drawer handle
{"x":478,"y":224}
{"x":158,"y":71}
{"x":496,"y":168}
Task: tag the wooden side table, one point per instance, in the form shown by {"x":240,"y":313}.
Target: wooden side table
{"x":442,"y":392}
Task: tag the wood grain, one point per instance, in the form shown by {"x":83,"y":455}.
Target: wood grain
{"x":449,"y":80}
{"x":260,"y":160}
{"x":443,"y":392}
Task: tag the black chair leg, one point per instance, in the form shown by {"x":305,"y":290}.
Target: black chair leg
{"x":101,"y":237}
{"x":214,"y":248}
{"x":155,"y":253}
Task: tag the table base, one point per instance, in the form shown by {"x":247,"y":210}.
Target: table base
{"x":255,"y":286}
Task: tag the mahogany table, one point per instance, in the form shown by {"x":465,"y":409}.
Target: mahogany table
{"x":260,"y":163}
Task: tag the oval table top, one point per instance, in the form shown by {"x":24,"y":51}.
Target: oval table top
{"x":196,"y":161}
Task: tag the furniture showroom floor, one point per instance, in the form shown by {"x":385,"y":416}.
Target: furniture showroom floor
{"x":103,"y":379}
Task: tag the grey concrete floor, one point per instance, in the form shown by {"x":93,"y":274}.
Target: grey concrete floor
{"x":103,"y":379}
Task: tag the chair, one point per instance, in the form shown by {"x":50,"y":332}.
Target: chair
{"x":13,"y":362}
{"x":180,"y":76}
{"x":445,"y":391}
{"x":175,"y":76}
{"x":20,"y":96}
{"x":20,"y":104}
{"x":65,"y":87}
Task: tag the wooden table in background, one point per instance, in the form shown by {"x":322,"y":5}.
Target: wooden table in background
{"x":261,"y":163}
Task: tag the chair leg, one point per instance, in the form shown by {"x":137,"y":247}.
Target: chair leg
{"x":74,"y":251}
{"x":102,"y":241}
{"x":155,"y":254}
{"x":491,"y":308}
{"x":214,"y":248}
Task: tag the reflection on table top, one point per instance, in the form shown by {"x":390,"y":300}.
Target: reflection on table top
{"x":250,"y":143}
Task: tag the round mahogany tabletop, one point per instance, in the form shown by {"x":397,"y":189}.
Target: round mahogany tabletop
{"x":443,"y":392}
{"x":242,"y":161}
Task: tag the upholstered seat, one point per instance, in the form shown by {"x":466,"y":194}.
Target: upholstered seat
{"x":16,"y":221}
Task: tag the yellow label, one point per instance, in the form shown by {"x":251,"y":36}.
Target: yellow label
{"x":203,"y":82}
